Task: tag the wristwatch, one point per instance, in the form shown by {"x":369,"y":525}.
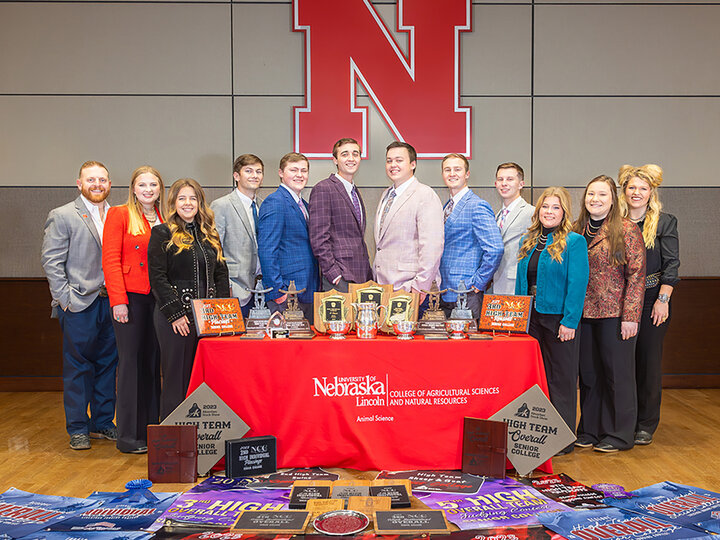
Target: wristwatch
{"x":663,"y":298}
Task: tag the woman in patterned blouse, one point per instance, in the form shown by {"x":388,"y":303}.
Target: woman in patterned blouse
{"x":613,"y":304}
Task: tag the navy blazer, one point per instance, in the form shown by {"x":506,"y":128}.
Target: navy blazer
{"x":284,"y":247}
{"x":561,"y":286}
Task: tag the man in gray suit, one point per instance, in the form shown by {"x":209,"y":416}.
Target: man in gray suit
{"x":72,"y":260}
{"x":514,"y":218}
{"x":236,"y":217}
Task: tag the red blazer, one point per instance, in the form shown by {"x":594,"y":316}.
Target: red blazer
{"x":616,"y":291}
{"x":124,"y":257}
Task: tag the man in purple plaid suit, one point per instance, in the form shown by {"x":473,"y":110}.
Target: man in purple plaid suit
{"x":473,"y":245}
{"x":337,"y":222}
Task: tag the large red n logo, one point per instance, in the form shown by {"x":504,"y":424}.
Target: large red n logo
{"x":418,"y":94}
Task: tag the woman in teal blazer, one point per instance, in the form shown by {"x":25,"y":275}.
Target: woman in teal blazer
{"x":553,"y":267}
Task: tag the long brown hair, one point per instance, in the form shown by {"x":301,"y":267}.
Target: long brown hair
{"x":613,"y":222}
{"x":560,"y":233}
{"x":204,"y":219}
{"x":653,"y":175}
{"x":136,"y":223}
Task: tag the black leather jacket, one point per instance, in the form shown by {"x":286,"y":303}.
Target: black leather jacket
{"x":177,"y":277}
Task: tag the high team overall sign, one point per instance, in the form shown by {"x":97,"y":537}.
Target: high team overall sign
{"x":417,"y":93}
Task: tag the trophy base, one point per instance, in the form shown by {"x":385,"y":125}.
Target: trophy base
{"x":405,"y":337}
{"x":299,"y":329}
{"x":432,"y":329}
{"x":256,"y":325}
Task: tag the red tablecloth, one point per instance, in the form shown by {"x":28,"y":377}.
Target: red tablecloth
{"x":367,"y":404}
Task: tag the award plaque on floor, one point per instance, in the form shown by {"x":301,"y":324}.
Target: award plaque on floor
{"x":332,"y":306}
{"x":217,"y":317}
{"x":172,"y":453}
{"x":251,"y":456}
{"x":484,"y":447}
{"x":410,"y":522}
{"x":272,"y":522}
{"x":505,"y":313}
{"x":300,"y":495}
{"x":402,"y":306}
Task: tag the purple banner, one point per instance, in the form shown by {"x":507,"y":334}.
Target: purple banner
{"x":498,"y":503}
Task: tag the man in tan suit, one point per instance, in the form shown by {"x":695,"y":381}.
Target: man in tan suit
{"x":408,"y":226}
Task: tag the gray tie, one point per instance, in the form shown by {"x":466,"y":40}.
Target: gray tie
{"x":388,"y":204}
{"x":448,"y":209}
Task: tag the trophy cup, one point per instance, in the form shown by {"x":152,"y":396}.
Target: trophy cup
{"x":297,"y":325}
{"x":458,"y":328}
{"x":405,"y":329}
{"x":432,"y":323}
{"x":256,"y":324}
{"x":461,"y":312}
{"x":332,"y":312}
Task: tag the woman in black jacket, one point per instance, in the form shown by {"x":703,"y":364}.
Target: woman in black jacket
{"x":185,"y":262}
{"x":640,"y":203}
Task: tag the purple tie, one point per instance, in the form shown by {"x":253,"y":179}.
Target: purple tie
{"x":356,"y":205}
{"x":301,"y":204}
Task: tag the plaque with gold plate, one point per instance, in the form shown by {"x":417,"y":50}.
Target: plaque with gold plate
{"x":370,"y":291}
{"x":296,"y":323}
{"x":505,"y":313}
{"x":432,"y":323}
{"x":402,"y":306}
{"x":217,"y":317}
{"x":333,"y":314}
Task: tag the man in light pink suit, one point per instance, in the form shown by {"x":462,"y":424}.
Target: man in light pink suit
{"x":408,"y":226}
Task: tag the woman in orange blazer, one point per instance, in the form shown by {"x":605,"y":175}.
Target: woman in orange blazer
{"x":124,"y":259}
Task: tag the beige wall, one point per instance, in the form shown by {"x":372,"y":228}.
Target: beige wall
{"x":569,"y":90}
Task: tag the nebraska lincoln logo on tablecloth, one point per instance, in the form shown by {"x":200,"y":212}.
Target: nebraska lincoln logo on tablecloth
{"x":416,"y":93}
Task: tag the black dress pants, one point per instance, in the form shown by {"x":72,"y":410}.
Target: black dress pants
{"x":561,"y":359}
{"x":177,"y":354}
{"x":138,"y":373}
{"x":608,"y":396}
{"x":648,"y":369}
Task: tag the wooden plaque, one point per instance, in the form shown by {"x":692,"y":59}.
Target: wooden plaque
{"x":410,"y":522}
{"x":369,"y":505}
{"x":505,"y":313}
{"x":280,"y":521}
{"x":401,"y":306}
{"x":399,"y":497}
{"x":371,"y":291}
{"x":394,"y":482}
{"x":218,"y":317}
{"x":332,"y":305}
{"x":320,"y":506}
{"x":300,"y":495}
{"x":484,"y":447}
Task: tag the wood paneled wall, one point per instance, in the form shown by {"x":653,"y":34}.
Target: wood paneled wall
{"x":31,"y":342}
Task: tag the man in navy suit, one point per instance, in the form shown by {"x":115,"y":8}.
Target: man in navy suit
{"x":337,"y":222}
{"x":473,"y":245}
{"x":283,"y":240}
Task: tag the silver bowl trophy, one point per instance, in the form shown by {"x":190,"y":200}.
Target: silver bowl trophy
{"x":367,"y":319}
{"x":457,"y":328}
{"x":461,"y":311}
{"x":405,"y":329}
{"x":337,"y":329}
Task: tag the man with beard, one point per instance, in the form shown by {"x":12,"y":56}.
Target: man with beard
{"x":72,"y":260}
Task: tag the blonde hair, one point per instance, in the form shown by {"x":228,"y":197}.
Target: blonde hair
{"x":560,"y":233}
{"x":613,"y":221}
{"x":136,"y":223}
{"x":204,"y":219}
{"x":653,"y":175}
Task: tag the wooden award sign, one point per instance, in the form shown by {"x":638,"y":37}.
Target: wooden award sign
{"x":370,"y":291}
{"x":410,"y":522}
{"x":484,"y":447}
{"x":401,"y":306}
{"x":331,"y":306}
{"x":272,"y":522}
{"x":505,"y":313}
{"x":218,"y":317}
